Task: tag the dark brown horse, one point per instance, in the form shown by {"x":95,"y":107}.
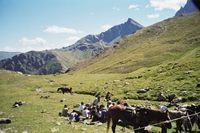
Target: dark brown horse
{"x":138,"y":118}
{"x":188,"y":118}
{"x":65,"y":90}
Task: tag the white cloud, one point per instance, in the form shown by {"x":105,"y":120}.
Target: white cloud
{"x":156,"y":15}
{"x":167,"y":4}
{"x":56,"y":29}
{"x":37,"y":44}
{"x":35,"y":41}
{"x":8,"y":49}
{"x":72,"y":39}
{"x":106,"y":27}
{"x":116,"y":8}
{"x":133,"y":7}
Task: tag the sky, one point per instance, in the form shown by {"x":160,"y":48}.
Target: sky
{"x":27,"y":25}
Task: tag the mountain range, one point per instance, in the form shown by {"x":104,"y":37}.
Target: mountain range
{"x":92,"y":48}
{"x":61,"y":60}
{"x":188,"y":8}
{"x":174,"y":42}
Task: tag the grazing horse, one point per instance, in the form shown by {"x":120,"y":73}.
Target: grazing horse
{"x":65,"y":90}
{"x":138,"y":118}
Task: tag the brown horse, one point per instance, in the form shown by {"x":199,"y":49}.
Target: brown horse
{"x":138,"y":118}
{"x":65,"y":90}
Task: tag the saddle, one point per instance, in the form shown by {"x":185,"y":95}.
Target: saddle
{"x":131,"y":110}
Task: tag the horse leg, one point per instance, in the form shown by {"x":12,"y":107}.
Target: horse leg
{"x":113,"y":127}
{"x":163,"y":130}
{"x":178,"y":126}
{"x":142,"y":130}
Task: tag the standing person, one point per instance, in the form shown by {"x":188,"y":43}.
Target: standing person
{"x":96,"y":101}
{"x":108,"y":96}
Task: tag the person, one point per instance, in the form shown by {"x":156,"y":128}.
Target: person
{"x":96,"y":114}
{"x":103,"y":115}
{"x":108,"y":96}
{"x":85,"y":113}
{"x":96,"y":101}
{"x":81,"y":107}
{"x":64,"y":111}
{"x":74,"y":116}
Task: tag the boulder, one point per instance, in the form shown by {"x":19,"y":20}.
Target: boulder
{"x":143,"y":90}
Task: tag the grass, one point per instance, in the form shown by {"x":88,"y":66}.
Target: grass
{"x":14,"y":87}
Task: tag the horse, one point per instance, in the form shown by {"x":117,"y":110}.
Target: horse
{"x":187,"y":118}
{"x":198,"y":116}
{"x":137,"y":118}
{"x":65,"y":90}
{"x":176,"y":114}
{"x":154,"y":117}
{"x":118,"y":112}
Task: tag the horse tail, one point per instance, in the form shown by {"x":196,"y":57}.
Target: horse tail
{"x":109,"y":116}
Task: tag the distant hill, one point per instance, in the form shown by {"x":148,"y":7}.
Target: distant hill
{"x":170,"y":40}
{"x":5,"y":55}
{"x":188,"y":8}
{"x":32,"y":62}
{"x":62,"y":60}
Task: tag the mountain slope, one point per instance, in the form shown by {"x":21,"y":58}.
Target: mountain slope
{"x":188,"y":8}
{"x":107,"y":37}
{"x":163,"y":42}
{"x":32,"y":63}
{"x":92,"y":45}
{"x":63,"y":59}
{"x":5,"y":55}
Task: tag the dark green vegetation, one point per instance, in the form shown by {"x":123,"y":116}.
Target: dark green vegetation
{"x":164,"y":57}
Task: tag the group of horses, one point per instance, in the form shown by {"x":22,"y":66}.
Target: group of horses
{"x":141,"y":117}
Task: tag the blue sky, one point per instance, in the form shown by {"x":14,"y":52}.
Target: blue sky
{"x":47,"y":24}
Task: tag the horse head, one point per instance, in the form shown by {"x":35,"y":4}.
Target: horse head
{"x":58,"y":89}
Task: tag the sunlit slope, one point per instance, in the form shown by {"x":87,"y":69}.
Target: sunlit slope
{"x":169,"y":40}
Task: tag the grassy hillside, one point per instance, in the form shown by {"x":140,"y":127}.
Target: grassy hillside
{"x":166,"y":41}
